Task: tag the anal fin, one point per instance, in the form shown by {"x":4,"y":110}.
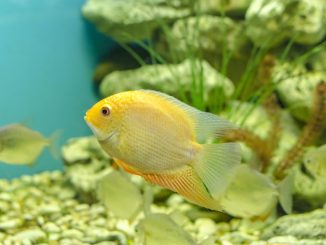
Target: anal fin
{"x":126,"y":167}
{"x":187,"y":183}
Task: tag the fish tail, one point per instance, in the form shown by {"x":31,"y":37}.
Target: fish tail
{"x":216,"y":164}
{"x":285,"y":191}
{"x":52,"y":140}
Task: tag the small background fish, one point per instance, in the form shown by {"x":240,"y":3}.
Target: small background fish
{"x":22,"y":145}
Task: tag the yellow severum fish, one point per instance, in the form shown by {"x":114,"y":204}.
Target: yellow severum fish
{"x":161,"y":139}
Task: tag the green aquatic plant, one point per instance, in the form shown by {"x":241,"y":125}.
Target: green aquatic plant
{"x":310,"y":132}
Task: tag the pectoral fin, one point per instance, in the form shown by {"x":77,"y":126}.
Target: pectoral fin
{"x":216,"y":165}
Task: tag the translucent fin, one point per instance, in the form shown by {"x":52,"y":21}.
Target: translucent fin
{"x":157,"y":229}
{"x":285,"y":189}
{"x":206,"y":124}
{"x":250,"y":194}
{"x":216,"y":164}
{"x":55,"y":152}
{"x":117,"y":193}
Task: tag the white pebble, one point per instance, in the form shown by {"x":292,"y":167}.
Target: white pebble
{"x":97,"y":234}
{"x":5,"y":196}
{"x":124,"y":226}
{"x":175,"y":200}
{"x":54,"y":236}
{"x":82,"y":207}
{"x":206,"y":227}
{"x":10,"y":224}
{"x":33,"y":235}
{"x":51,"y":228}
{"x":73,"y":233}
{"x":49,"y":209}
{"x":99,"y":222}
{"x":4,"y":206}
{"x":40,"y":220}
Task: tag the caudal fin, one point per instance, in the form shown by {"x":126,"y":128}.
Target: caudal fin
{"x":216,"y":164}
{"x":285,"y":189}
{"x":52,"y":144}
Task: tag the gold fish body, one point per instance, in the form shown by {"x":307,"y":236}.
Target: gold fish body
{"x":160,"y":138}
{"x":145,"y":125}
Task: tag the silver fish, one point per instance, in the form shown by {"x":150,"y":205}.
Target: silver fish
{"x":21,"y":145}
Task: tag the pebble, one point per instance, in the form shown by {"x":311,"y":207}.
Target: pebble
{"x":66,"y":193}
{"x":64,"y":220}
{"x":106,"y":243}
{"x":73,"y":233}
{"x":101,"y":222}
{"x":206,"y":227}
{"x":33,"y":235}
{"x":175,"y":200}
{"x":51,"y":228}
{"x":97,"y":234}
{"x":124,"y":226}
{"x":10,"y":224}
{"x":81,"y":207}
{"x":5,"y":197}
{"x":4,"y":206}
{"x":69,"y":241}
{"x":49,"y":209}
{"x":40,"y":220}
{"x":54,"y":237}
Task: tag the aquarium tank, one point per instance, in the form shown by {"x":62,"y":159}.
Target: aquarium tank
{"x":160,"y":122}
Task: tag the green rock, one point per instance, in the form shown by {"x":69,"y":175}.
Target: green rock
{"x":310,"y":226}
{"x":204,"y":36}
{"x":270,"y":22}
{"x":131,"y":20}
{"x":310,"y":180}
{"x":296,"y":83}
{"x":167,"y":78}
{"x":237,"y":7}
{"x":289,"y":240}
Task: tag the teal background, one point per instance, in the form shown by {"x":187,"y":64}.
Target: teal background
{"x":47,"y":56}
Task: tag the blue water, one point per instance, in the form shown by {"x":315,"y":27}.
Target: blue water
{"x":47,"y":57}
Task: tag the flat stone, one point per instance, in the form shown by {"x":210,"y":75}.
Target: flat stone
{"x":301,"y":226}
{"x":270,"y":22}
{"x":131,"y":20}
{"x":168,"y":78}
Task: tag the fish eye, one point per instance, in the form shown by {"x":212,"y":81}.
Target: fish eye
{"x":105,"y":110}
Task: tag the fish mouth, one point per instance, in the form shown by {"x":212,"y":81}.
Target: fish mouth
{"x":109,"y":136}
